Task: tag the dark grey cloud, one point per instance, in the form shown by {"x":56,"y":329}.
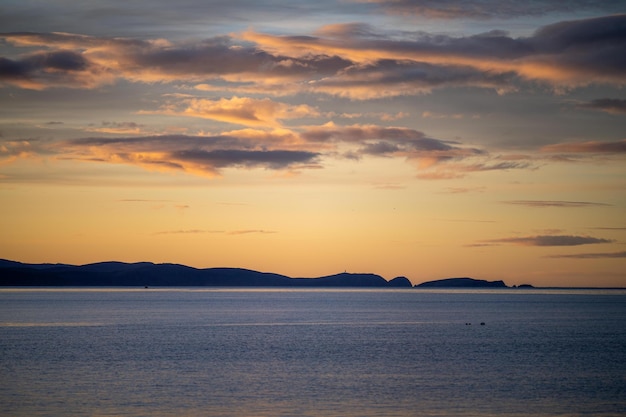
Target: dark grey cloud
{"x":593,"y":46}
{"x":193,"y":154}
{"x":609,"y":105}
{"x":219,"y":158}
{"x":604,"y":255}
{"x":48,"y":67}
{"x":221,"y":56}
{"x":550,"y":240}
{"x":380,"y":148}
{"x":405,"y":77}
{"x":391,"y":141}
{"x":553,"y":203}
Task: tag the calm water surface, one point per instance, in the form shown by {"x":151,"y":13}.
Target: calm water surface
{"x":224,"y":352}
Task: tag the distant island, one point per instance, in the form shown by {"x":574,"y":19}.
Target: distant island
{"x":462,"y":283}
{"x":147,"y":274}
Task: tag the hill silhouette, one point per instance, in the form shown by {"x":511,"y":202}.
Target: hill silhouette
{"x":120,"y":274}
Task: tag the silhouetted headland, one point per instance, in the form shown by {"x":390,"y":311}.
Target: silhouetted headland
{"x":146,"y":274}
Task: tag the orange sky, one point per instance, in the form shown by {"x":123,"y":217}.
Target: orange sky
{"x":482,"y":139}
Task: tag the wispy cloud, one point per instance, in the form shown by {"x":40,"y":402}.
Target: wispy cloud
{"x":453,"y":170}
{"x":123,"y":128}
{"x":603,"y":255}
{"x":549,"y":240}
{"x":251,"y":231}
{"x":463,"y":190}
{"x":594,"y":146}
{"x":437,"y":115}
{"x":141,"y":200}
{"x":553,"y":203}
{"x":238,"y":110}
{"x":488,"y":9}
{"x":11,"y":150}
{"x":609,"y":105}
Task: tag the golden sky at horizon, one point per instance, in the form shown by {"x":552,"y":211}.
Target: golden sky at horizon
{"x":416,"y":138}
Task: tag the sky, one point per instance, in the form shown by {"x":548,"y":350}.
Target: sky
{"x":427,"y":139}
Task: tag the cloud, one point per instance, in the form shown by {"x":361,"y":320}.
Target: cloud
{"x":454,"y":169}
{"x":549,"y":203}
{"x":347,"y":60}
{"x":391,"y":77}
{"x":608,"y":105}
{"x":550,"y":240}
{"x":463,"y":190}
{"x":142,"y":200}
{"x":193,"y":154}
{"x":239,"y":110}
{"x":219,"y":59}
{"x":43,"y":69}
{"x":124,"y":128}
{"x":604,"y":255}
{"x":617,"y":147}
{"x":435,"y":115}
{"x":11,"y":150}
{"x":251,"y":231}
{"x":563,"y":55}
{"x":221,"y":158}
{"x":488,"y":9}
{"x":411,"y":144}
{"x":287,"y":150}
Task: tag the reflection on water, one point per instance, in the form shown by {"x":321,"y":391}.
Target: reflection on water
{"x":223,"y":352}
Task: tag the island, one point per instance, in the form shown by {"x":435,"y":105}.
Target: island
{"x":464,"y":282}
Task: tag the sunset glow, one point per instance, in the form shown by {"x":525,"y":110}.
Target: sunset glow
{"x":416,"y":138}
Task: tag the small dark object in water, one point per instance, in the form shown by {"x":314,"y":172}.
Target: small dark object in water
{"x":468,"y":324}
{"x":482,"y":324}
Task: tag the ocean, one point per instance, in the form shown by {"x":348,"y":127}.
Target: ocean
{"x":311,"y":352}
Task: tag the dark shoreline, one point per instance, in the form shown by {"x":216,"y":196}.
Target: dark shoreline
{"x":147,"y":274}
